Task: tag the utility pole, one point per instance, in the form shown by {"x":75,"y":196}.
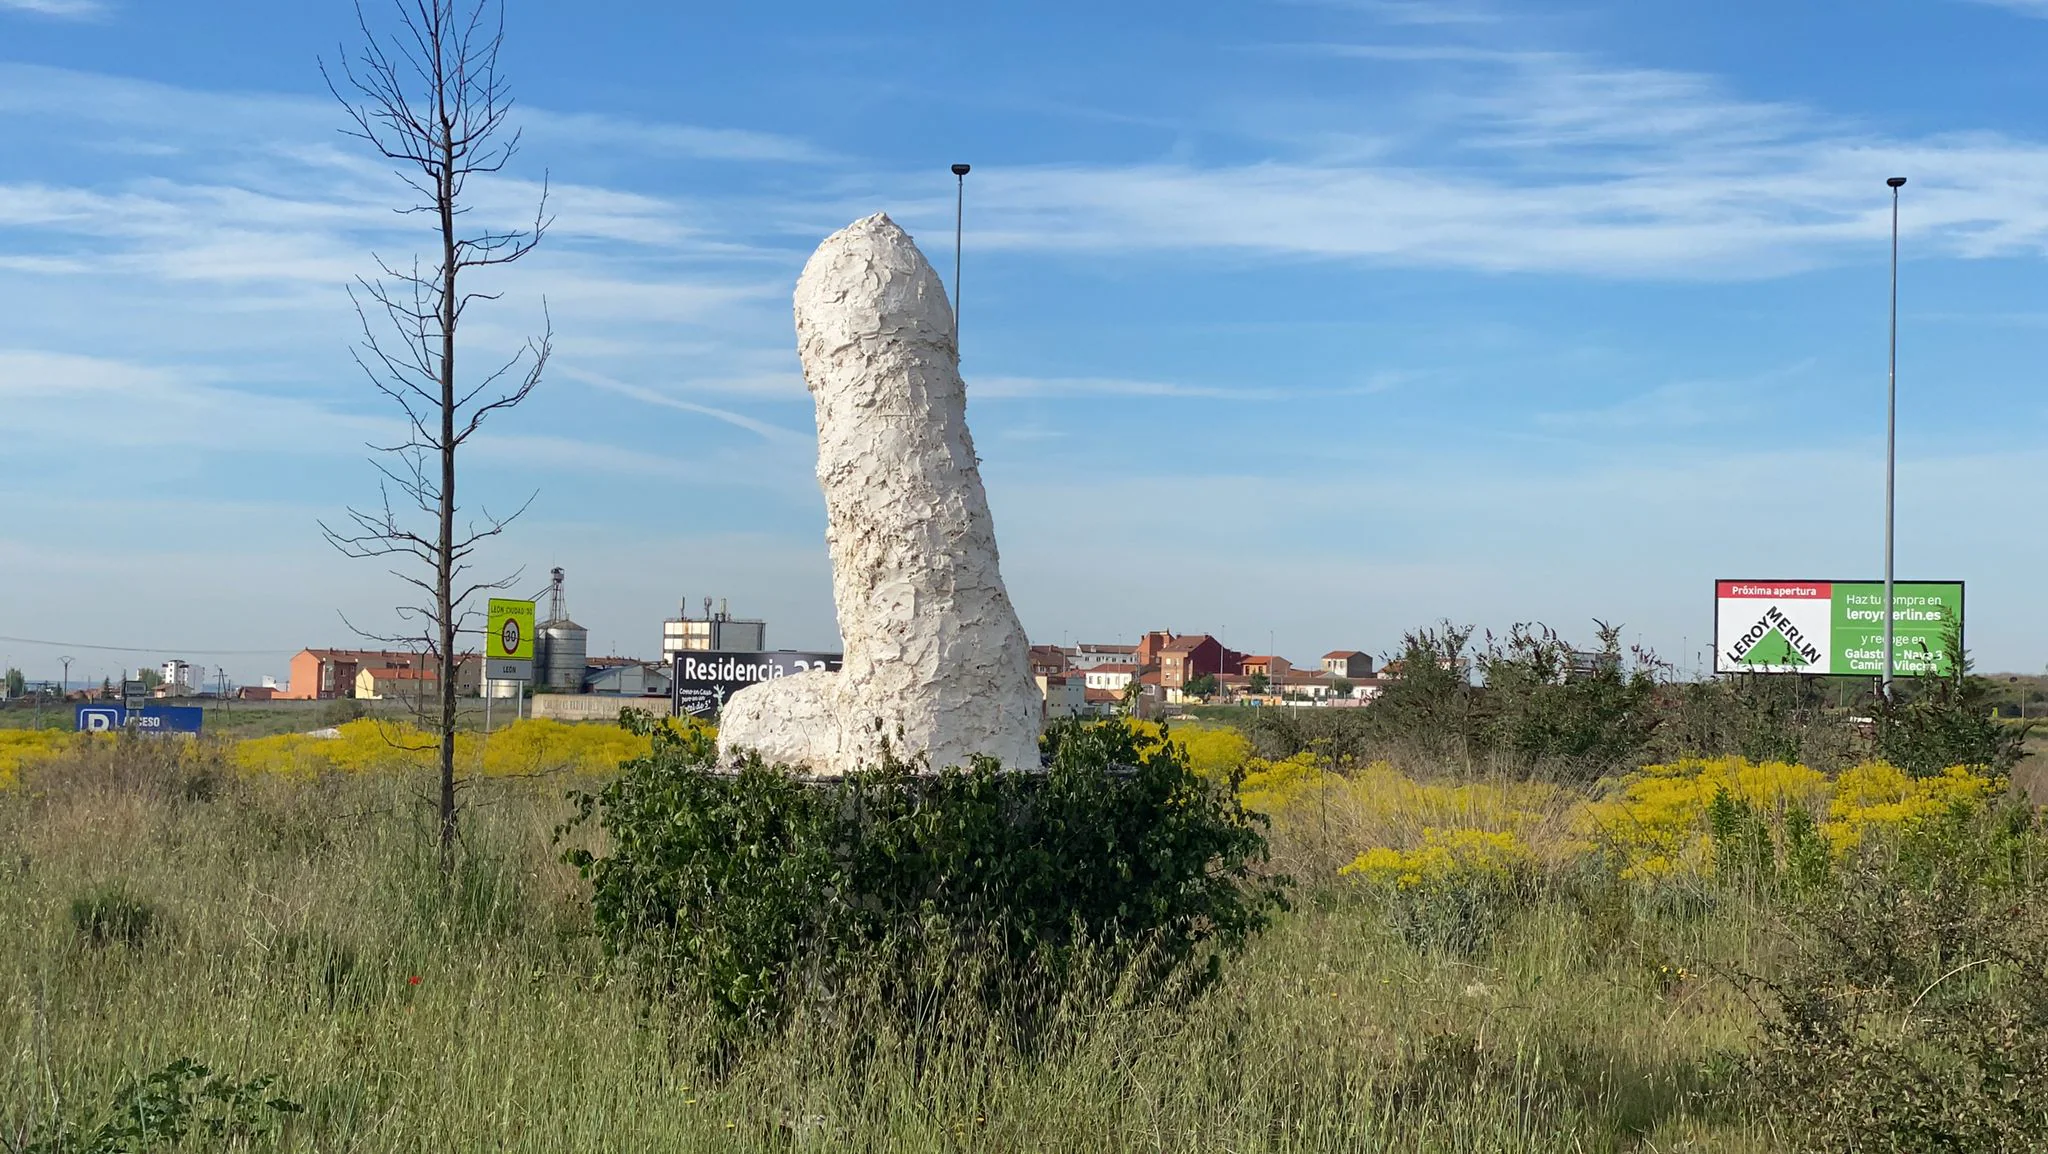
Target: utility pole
{"x":960,"y":172}
{"x":67,"y":675}
{"x":1891,"y":438}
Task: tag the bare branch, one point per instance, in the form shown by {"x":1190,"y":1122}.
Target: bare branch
{"x":427,"y":96}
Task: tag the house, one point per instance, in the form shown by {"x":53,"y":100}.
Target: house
{"x":324,"y":674}
{"x":1349,"y":664}
{"x":1110,"y":678}
{"x":255,"y":692}
{"x":1146,"y":653}
{"x":1304,"y":685}
{"x":1267,"y":667}
{"x":1102,"y":702}
{"x":408,"y":684}
{"x":1047,"y":659}
{"x":1093,"y":655}
{"x":627,"y":678}
{"x":1183,"y":659}
{"x":1065,"y":695}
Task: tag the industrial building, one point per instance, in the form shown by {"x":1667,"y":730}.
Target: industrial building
{"x":718,"y":631}
{"x":561,"y":648}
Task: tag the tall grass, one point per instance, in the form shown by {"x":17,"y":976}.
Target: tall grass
{"x":296,"y":927}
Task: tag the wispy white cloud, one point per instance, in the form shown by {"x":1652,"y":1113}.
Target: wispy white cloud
{"x":649,"y":396}
{"x":1680,"y":405}
{"x":67,"y":9}
{"x":1548,"y":162}
{"x":1009,"y":388}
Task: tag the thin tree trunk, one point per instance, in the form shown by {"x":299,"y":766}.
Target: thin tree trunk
{"x":445,"y":577}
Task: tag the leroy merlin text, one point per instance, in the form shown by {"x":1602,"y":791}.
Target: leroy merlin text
{"x":1775,"y":617}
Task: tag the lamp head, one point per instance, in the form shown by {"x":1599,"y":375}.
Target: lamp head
{"x":964,"y":169}
{"x":1895,"y":181}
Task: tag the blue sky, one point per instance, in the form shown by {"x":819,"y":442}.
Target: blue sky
{"x":1299,"y":322}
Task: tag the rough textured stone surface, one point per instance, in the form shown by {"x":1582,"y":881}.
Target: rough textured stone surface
{"x":936,"y":662}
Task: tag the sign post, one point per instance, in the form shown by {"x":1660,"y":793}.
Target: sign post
{"x":1836,"y":628}
{"x":704,"y":678}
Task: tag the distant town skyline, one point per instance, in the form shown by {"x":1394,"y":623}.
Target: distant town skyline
{"x":1298,"y":323}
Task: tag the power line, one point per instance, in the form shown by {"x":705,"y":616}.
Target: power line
{"x":142,"y":649}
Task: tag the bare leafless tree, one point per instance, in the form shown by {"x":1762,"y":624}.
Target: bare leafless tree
{"x":427,"y":95}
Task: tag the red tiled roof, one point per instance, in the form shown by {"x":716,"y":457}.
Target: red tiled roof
{"x":1188,"y":644}
{"x":1112,"y":668}
{"x":1343,"y":653}
{"x":1102,"y":695}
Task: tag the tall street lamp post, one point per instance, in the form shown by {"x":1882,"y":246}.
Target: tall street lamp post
{"x":960,"y":172}
{"x":1891,"y":438}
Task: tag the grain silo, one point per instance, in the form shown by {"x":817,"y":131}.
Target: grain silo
{"x":563,"y":645}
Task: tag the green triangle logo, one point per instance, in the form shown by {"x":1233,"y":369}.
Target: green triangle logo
{"x":1773,"y":649}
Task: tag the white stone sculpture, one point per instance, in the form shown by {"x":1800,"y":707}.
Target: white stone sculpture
{"x":936,"y":663}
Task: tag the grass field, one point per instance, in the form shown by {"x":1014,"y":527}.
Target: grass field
{"x":239,"y":719}
{"x":296,"y":929}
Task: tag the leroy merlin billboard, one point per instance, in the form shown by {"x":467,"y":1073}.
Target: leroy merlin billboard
{"x":1833,"y":627}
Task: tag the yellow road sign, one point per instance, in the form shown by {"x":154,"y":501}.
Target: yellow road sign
{"x":510,"y":636}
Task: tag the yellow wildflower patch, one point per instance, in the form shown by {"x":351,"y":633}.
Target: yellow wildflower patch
{"x":18,"y":747}
{"x":1876,"y":798}
{"x":524,"y":747}
{"x":1653,"y":823}
{"x":1445,"y":855}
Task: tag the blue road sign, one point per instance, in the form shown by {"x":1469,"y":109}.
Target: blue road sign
{"x":170,"y":719}
{"x":100,"y":718}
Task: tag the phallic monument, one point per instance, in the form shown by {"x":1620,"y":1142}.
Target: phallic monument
{"x":936,"y":664}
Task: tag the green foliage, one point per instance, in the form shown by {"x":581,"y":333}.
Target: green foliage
{"x":1257,"y":683}
{"x":1432,"y":700}
{"x":110,"y":916}
{"x":749,"y":888}
{"x":343,"y":710}
{"x":16,"y":683}
{"x":1462,"y":914}
{"x":160,"y":1110}
{"x":1913,"y":1015}
{"x":1541,"y":710}
{"x":1942,"y":721}
{"x":1201,"y":685}
{"x":1750,"y":855}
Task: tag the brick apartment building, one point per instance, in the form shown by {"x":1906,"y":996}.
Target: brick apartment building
{"x":324,"y":674}
{"x":1183,"y":659}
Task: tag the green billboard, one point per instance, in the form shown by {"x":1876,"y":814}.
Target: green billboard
{"x":1834,"y":627}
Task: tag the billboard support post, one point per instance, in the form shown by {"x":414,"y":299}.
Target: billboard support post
{"x":1891,"y":441}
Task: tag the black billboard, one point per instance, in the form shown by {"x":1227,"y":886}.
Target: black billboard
{"x":704,"y":678}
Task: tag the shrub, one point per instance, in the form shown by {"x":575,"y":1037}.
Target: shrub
{"x":741,"y":887}
{"x":161,"y":1109}
{"x":1456,"y":891}
{"x":1944,"y":721}
{"x":343,"y":710}
{"x":111,"y":916}
{"x":1543,"y":710}
{"x":1913,"y":1014}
